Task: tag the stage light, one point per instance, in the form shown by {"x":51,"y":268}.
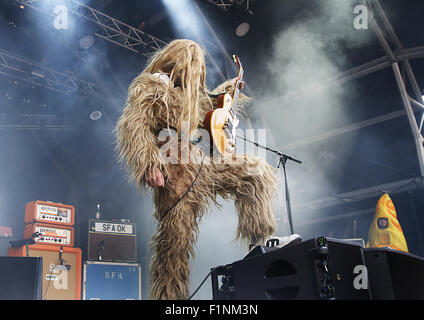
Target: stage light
{"x":95,"y":115}
{"x":86,"y":42}
{"x":242,"y":29}
{"x":38,"y":73}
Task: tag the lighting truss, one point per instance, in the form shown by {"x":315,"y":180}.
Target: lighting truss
{"x":111,"y":29}
{"x":33,"y":121}
{"x":363,"y":194}
{"x":33,"y":72}
{"x":225,"y":4}
{"x":393,"y":58}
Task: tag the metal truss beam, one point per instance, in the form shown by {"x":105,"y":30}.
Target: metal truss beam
{"x":226,"y":4}
{"x":410,"y":74}
{"x":418,"y":138}
{"x":352,"y":127}
{"x":346,"y":129}
{"x":33,"y":72}
{"x":344,"y":215}
{"x":400,"y":55}
{"x":33,"y":121}
{"x":111,"y":29}
{"x":361,"y":194}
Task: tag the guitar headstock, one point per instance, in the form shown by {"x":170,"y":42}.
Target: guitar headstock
{"x":240,"y":67}
{"x":237,"y":61}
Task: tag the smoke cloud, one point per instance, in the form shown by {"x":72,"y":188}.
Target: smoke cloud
{"x":303,"y":55}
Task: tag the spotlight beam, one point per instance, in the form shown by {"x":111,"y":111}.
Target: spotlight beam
{"x":111,"y":29}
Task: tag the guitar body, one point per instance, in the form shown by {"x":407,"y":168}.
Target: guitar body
{"x":216,"y":122}
{"x":222,"y":121}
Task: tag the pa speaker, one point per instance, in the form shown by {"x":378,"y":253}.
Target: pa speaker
{"x":21,"y":278}
{"x":320,"y":268}
{"x":395,"y":274}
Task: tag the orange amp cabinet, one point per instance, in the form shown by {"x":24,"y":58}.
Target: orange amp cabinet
{"x":49,"y":212}
{"x":50,"y":234}
{"x":61,"y":270}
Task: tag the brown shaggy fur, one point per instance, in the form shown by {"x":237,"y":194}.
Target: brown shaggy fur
{"x":153,"y":105}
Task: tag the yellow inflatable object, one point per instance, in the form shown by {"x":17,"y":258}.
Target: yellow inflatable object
{"x":385,"y":230}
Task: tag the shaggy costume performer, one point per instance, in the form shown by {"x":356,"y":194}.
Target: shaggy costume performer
{"x":157,"y":102}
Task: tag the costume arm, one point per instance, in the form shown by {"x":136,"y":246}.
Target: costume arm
{"x":136,"y":134}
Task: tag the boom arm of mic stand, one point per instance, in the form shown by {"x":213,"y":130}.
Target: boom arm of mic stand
{"x":283,"y":161}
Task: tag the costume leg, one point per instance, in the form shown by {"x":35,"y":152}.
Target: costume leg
{"x":249,"y":180}
{"x":252,"y":182}
{"x":175,"y":237}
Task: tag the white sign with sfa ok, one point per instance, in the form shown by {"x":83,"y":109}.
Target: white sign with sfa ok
{"x":113,"y":227}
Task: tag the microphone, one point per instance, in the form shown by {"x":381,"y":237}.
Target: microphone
{"x":36,"y":234}
{"x":22,"y":242}
{"x":61,"y":260}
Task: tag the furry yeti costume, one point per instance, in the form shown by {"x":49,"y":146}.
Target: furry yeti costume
{"x":154,"y":104}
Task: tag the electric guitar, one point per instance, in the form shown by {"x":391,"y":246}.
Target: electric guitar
{"x":222,"y":122}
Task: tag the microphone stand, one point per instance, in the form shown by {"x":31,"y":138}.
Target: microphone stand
{"x":26,"y":242}
{"x":102,"y":247}
{"x":282,"y":161}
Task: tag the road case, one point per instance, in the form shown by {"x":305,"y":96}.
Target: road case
{"x":111,"y":281}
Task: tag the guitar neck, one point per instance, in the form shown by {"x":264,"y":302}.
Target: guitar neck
{"x":237,"y":90}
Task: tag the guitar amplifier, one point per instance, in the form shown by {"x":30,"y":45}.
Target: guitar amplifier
{"x":61,"y":270}
{"x":317,"y":269}
{"x":113,"y":241}
{"x":49,"y":212}
{"x":51,"y":234}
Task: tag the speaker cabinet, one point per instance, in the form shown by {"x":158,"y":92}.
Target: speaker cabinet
{"x":112,"y":241}
{"x":320,"y":268}
{"x":395,"y":274}
{"x":20,"y":278}
{"x":61,"y":276}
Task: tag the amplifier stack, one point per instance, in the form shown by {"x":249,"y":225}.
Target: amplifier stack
{"x":112,"y":272}
{"x":49,"y":225}
{"x":53,"y":221}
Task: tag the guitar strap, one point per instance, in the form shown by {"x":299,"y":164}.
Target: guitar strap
{"x":215,"y":96}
